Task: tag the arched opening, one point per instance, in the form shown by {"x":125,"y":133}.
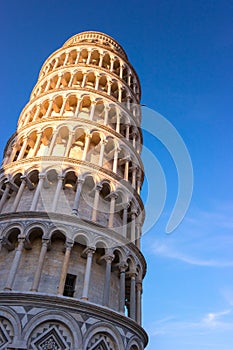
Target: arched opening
{"x":116,"y":67}
{"x":85,"y":107}
{"x":76,"y":150}
{"x":106,"y":61}
{"x":46,"y":137}
{"x":94,"y":148}
{"x":61,"y":142}
{"x":78,"y":78}
{"x":103,"y":83}
{"x":95,"y":58}
{"x":90,"y":80}
{"x":83,"y":56}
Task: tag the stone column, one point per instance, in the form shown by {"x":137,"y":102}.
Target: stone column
{"x":47,"y":85}
{"x":127,"y":132}
{"x":58,"y":191}
{"x":77,"y":108}
{"x":121,"y":70}
{"x":86,"y":147}
{"x":5,"y":195}
{"x":101,"y":156}
{"x":122,"y":267}
{"x":111,"y":64}
{"x":13,"y":152}
{"x":77,"y":196}
{"x":84,"y":80}
{"x":129,"y":79}
{"x":97,"y":82}
{"x":138,"y":183}
{"x":133,"y":226}
{"x":19,"y":193}
{"x":115,"y":159}
{"x":126,"y":171}
{"x":56,"y":63}
{"x":37,"y":113}
{"x":118,"y":121}
{"x":69,"y":143}
{"x":96,"y":202}
{"x":88,"y":57}
{"x":71,"y":81}
{"x":52,"y":143}
{"x":106,"y":111}
{"x":65,"y":266}
{"x":49,"y":110}
{"x":125,"y":218}
{"x":63,"y":106}
{"x":66,"y":59}
{"x":37,"y":144}
{"x":101,"y":60}
{"x":89,"y":251}
{"x":23,"y":149}
{"x":77,"y":58}
{"x":138,"y":302}
{"x":134,"y":174}
{"x":39,"y":267}
{"x":92,"y":110}
{"x":120,"y":93}
{"x":108,"y":259}
{"x":15,"y":263}
{"x":134,"y":139}
{"x":138,"y":234}
{"x":58,"y":81}
{"x":132,"y":313}
{"x":113,"y":197}
{"x":37,"y":192}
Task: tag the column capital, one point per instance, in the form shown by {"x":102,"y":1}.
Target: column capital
{"x":98,"y":187}
{"x":80,"y":181}
{"x":60,"y":177}
{"x":113,"y":195}
{"x":88,"y":251}
{"x":104,"y":142}
{"x":139,"y":285}
{"x":42,"y":176}
{"x":132,"y":274}
{"x":108,"y":258}
{"x":123,"y":266}
{"x":69,"y":245}
{"x":45,"y":241}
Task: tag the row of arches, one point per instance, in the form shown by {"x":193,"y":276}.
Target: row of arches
{"x":96,"y":37}
{"x":97,"y":57}
{"x":75,"y":264}
{"x":85,"y":107}
{"x":89,"y":196}
{"x":84,"y":78}
{"x":50,"y":329}
{"x":82,"y":144}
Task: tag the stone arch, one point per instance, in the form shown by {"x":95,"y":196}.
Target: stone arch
{"x":103,"y":334}
{"x":134,"y":344}
{"x":35,"y":230}
{"x":59,"y":148}
{"x":44,"y":326}
{"x":10,"y":326}
{"x":83,"y":238}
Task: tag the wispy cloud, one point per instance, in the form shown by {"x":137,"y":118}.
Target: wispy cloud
{"x":169,"y":252}
{"x":210,"y":322}
{"x":203,"y":239}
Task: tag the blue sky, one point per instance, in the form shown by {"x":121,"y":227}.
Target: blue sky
{"x":182,"y":51}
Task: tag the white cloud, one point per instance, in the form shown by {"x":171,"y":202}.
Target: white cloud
{"x":211,"y":322}
{"x":169,"y":252}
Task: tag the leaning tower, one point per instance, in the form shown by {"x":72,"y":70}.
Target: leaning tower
{"x":71,"y":269}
